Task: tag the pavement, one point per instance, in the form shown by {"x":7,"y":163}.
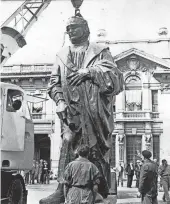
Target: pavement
{"x":39,"y":191}
{"x":124,"y":196}
{"x":129,"y":195}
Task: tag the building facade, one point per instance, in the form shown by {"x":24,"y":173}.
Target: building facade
{"x":142,"y":113}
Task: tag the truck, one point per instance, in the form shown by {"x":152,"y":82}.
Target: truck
{"x":17,"y":143}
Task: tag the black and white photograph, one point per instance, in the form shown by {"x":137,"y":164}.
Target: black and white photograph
{"x":85,"y":101}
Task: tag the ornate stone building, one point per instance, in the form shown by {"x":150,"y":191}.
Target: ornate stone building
{"x":142,"y":113}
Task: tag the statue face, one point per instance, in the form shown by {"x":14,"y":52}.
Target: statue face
{"x":75,"y":32}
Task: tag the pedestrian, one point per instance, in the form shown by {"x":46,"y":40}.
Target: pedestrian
{"x":130,"y":173}
{"x":40,"y":173}
{"x":36,"y":176}
{"x":32,"y":173}
{"x":164,"y":172}
{"x":148,"y":180}
{"x":26,"y":176}
{"x":120,"y":174}
{"x":81,"y":178}
{"x":46,"y":173}
{"x":137,"y":172}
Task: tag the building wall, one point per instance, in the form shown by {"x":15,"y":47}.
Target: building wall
{"x":165,"y":116}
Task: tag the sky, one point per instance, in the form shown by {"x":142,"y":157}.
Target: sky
{"x":122,"y":20}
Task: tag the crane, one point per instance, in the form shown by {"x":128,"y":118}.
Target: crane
{"x":15,"y":28}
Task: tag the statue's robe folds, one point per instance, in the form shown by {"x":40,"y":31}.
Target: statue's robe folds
{"x":89,"y":105}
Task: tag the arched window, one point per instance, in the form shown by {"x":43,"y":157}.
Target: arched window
{"x":133,"y":93}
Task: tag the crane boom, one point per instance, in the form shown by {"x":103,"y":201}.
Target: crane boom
{"x":24,"y":17}
{"x":17,"y":25}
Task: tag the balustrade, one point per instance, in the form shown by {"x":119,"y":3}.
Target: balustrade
{"x":26,"y":68}
{"x":155,"y":115}
{"x":42,"y":116}
{"x":136,"y":115}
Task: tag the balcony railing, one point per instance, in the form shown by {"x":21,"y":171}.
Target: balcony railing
{"x":26,"y":68}
{"x":155,"y":115}
{"x":135,"y":115}
{"x":43,"y":116}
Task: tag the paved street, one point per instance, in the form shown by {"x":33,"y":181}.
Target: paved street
{"x":125,"y":195}
{"x":38,"y":191}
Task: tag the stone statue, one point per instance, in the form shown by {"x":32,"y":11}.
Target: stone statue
{"x":83,"y":84}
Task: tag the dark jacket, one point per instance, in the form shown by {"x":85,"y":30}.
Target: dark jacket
{"x":137,"y":170}
{"x":130,"y":172}
{"x":148,"y":179}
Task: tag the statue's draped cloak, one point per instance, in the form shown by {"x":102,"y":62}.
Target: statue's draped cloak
{"x":89,"y":105}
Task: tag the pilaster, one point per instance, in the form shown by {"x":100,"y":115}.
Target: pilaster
{"x":55,"y":145}
{"x":146,"y":99}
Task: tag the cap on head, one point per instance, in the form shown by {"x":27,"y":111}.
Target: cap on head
{"x":147,"y":154}
{"x":138,"y":161}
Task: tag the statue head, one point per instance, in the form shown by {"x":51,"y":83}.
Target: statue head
{"x":77,"y":29}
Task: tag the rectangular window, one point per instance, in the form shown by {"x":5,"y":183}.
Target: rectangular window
{"x":154,"y":100}
{"x":113,"y":151}
{"x":156,"y":147}
{"x":14,"y":100}
{"x":133,"y":148}
{"x":133,"y":100}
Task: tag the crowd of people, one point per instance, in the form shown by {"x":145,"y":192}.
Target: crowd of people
{"x":150,"y":177}
{"x":39,"y":172}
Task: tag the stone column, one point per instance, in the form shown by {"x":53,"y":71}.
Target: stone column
{"x":55,"y":145}
{"x":117,"y":150}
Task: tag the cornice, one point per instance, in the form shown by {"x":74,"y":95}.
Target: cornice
{"x":26,"y":75}
{"x":143,"y":54}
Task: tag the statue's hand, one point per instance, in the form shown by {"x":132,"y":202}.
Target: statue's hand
{"x":61,"y":110}
{"x":61,"y":106}
{"x":78,"y":77}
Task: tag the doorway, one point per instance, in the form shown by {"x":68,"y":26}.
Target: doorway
{"x":133,"y":147}
{"x":42,"y":147}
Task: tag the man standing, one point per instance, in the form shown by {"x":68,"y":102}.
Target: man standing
{"x":32,"y":173}
{"x":83,"y":84}
{"x":148,"y":180}
{"x":164,"y":172}
{"x":137,"y":172}
{"x":41,"y":170}
{"x":130,"y":174}
{"x":120,"y":174}
{"x":81,"y":179}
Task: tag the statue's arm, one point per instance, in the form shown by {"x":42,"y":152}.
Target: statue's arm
{"x":105,"y":73}
{"x":55,"y":90}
